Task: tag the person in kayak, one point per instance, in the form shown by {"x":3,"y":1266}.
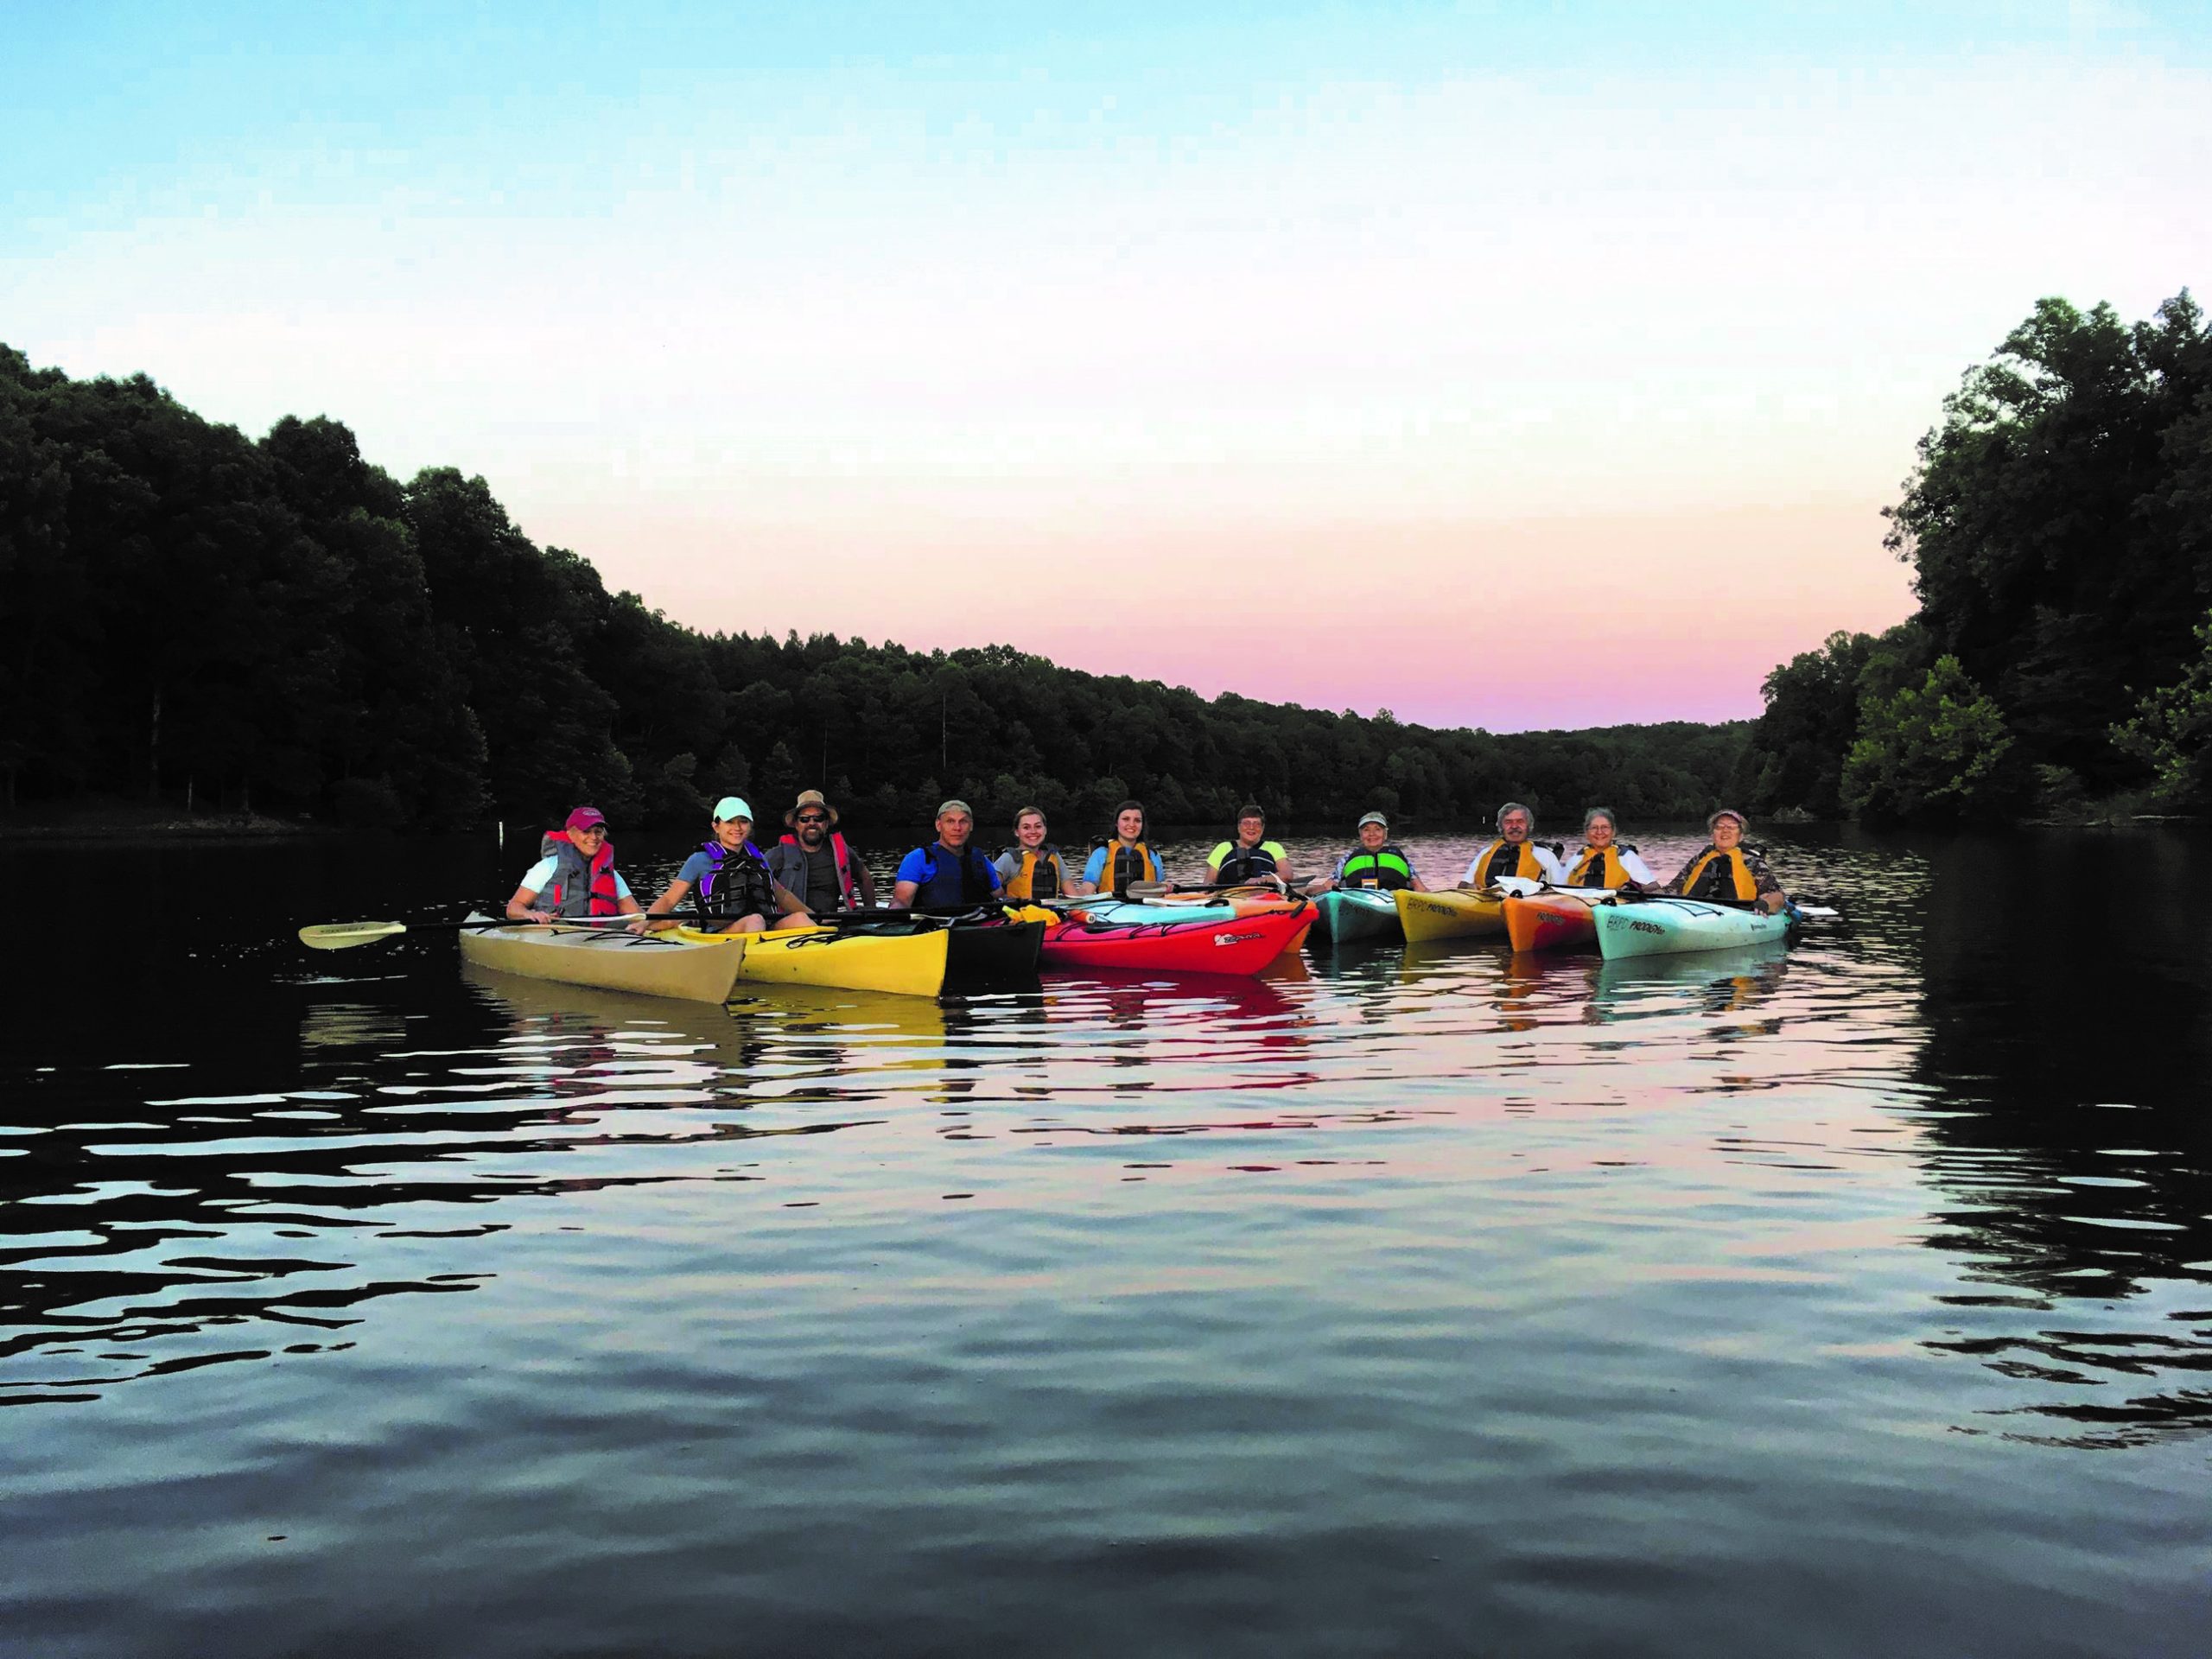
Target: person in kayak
{"x":1514,"y":853}
{"x":1377,"y":861}
{"x":1115,"y":864}
{"x":951,"y":874}
{"x":1032,"y":867}
{"x":818,"y":863}
{"x":1250,"y":857}
{"x":1728,"y":870}
{"x":575,"y":874}
{"x":729,"y":883}
{"x":1606,"y":859}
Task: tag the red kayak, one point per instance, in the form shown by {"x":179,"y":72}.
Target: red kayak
{"x":1557,"y":918}
{"x":1243,"y":945}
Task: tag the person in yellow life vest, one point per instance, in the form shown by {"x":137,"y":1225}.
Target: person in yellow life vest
{"x":1606,"y":861}
{"x":1728,"y":870}
{"x":1251,"y":856}
{"x":1115,"y":864}
{"x":1514,"y":853}
{"x":1033,"y":868}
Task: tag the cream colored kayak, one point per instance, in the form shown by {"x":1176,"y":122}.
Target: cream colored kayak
{"x":905,"y":962}
{"x":700,"y":969}
{"x":1454,"y":913}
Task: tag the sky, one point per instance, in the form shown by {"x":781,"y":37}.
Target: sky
{"x":1508,"y":365}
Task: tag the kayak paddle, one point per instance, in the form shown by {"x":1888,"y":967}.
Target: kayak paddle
{"x":343,"y":936}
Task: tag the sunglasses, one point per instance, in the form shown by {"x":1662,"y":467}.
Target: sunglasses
{"x":813,"y":817}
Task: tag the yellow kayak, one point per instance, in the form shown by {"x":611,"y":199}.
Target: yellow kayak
{"x":1454,"y":913}
{"x":907,"y":964}
{"x":701,"y":969}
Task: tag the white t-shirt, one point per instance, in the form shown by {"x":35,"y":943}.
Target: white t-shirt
{"x":534,"y":878}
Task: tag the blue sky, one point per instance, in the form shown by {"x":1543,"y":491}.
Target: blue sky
{"x":1420,"y":290}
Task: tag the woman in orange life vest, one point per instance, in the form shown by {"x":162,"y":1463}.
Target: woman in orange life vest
{"x":1115,"y":864}
{"x":1032,"y":867}
{"x":1728,"y":869}
{"x":1605,"y":861}
{"x":575,"y":876}
{"x":1514,"y":853}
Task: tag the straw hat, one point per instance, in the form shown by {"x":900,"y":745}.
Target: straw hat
{"x":809,"y":798}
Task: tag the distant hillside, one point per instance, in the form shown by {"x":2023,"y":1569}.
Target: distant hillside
{"x":198,"y":617}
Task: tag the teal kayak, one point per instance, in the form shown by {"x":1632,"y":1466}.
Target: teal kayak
{"x":1661,"y":927}
{"x":1357,"y":916}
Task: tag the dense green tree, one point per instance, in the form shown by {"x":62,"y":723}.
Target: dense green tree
{"x":2172,"y":732}
{"x":1934,"y":752}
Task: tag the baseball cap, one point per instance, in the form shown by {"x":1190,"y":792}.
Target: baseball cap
{"x":731,"y":808}
{"x":583,"y":817}
{"x":1374,"y":818}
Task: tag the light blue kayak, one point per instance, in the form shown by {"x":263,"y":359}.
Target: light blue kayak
{"x":1357,"y":916}
{"x":1662,"y":927}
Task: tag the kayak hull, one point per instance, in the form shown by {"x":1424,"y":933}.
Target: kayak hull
{"x":612,"y":959}
{"x":905,"y":963}
{"x":1357,"y":916}
{"x":1233,"y":945}
{"x":993,"y":950}
{"x":1663,"y":927}
{"x":1554,"y":919}
{"x":1453,"y":913}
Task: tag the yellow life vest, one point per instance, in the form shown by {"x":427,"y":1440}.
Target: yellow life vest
{"x":1490,"y":867}
{"x":1747,"y":884}
{"x":1597,"y":869}
{"x":1046,"y":862}
{"x":1124,"y":864}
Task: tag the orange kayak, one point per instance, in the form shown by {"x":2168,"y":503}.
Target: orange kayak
{"x":1558,"y":919}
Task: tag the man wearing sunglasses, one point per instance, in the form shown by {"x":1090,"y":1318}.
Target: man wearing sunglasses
{"x":818,"y":863}
{"x":575,"y":874}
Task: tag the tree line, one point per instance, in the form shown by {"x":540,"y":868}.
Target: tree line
{"x":2059,"y":524}
{"x":202,"y":618}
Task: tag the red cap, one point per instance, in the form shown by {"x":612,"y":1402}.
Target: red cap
{"x":583,"y":817}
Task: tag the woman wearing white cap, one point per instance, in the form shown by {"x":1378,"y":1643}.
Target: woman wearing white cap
{"x":728,"y":879}
{"x":1377,"y":861}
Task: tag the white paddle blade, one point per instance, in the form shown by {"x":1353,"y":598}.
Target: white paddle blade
{"x":1521,"y":886}
{"x":1818,"y":913}
{"x":340,"y":936}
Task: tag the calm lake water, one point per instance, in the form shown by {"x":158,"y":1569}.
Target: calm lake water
{"x":1849,"y":1299}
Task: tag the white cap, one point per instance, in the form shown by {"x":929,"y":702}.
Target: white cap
{"x":730,"y":809}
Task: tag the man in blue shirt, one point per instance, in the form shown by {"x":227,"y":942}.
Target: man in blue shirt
{"x":950,"y":875}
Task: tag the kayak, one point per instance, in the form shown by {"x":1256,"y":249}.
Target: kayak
{"x":1357,"y":916}
{"x":997,"y":949}
{"x":1193,"y":909}
{"x":1453,"y":913}
{"x":1656,"y":927}
{"x":1236,"y":945}
{"x":700,"y":969}
{"x":907,"y":960}
{"x":1555,"y":919}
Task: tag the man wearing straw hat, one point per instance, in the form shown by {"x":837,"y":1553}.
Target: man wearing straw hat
{"x":818,"y":863}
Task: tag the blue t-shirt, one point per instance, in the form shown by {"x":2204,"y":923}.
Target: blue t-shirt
{"x":916,"y":868}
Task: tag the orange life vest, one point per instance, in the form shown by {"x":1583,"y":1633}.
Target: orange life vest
{"x":1745,"y":885}
{"x":1124,"y":864}
{"x":1597,"y":869}
{"x":1045,"y":862}
{"x":1490,"y":866}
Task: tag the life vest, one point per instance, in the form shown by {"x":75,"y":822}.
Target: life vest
{"x":1715,"y":874}
{"x":1124,"y":864}
{"x":1522,"y":862}
{"x":579,"y":887}
{"x":1244,"y":863}
{"x":847,"y":885}
{"x":1386,"y":868}
{"x":736,"y":884}
{"x":1597,"y":869}
{"x":962,"y":885}
{"x":1043,"y":874}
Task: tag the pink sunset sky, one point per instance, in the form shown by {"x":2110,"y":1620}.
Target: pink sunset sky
{"x":1496,"y":368}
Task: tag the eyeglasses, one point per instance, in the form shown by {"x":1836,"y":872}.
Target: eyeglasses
{"x":813,"y":817}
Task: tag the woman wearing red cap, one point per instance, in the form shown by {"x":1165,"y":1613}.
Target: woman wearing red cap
{"x":575,"y":876}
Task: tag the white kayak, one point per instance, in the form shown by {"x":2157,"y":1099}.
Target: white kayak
{"x":1666,"y":926}
{"x":611,"y":958}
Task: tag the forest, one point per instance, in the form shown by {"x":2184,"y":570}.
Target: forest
{"x":212,"y":622}
{"x":2058,"y":522}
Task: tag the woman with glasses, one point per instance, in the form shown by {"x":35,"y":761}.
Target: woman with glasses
{"x":574,"y":876}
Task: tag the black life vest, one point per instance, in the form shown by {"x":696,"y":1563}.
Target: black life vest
{"x":736,"y":885}
{"x":1386,"y":868}
{"x":1244,"y":864}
